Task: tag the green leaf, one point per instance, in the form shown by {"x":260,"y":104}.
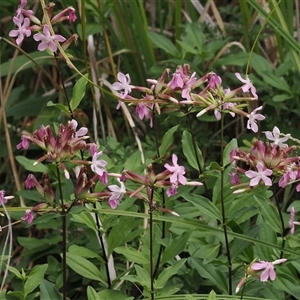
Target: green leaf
{"x":226,"y":153}
{"x":189,"y":153}
{"x":275,"y":81}
{"x":294,"y":242}
{"x":167,"y":273}
{"x":204,"y":206}
{"x":22,"y":61}
{"x":213,"y":274}
{"x":195,"y":35}
{"x":269,"y":213}
{"x":48,"y":291}
{"x":163,"y":43}
{"x":167,"y":141}
{"x":133,"y":255}
{"x":16,"y":294}
{"x":282,"y":97}
{"x":59,"y":106}
{"x":143,"y":276}
{"x":15,"y":271}
{"x":287,"y":283}
{"x":260,"y":64}
{"x":84,"y":267}
{"x":214,"y":166}
{"x":28,"y":165}
{"x":175,"y":247}
{"x":212,"y":296}
{"x":78,"y":92}
{"x":112,"y":295}
{"x":34,"y":278}
{"x":84,"y":252}
{"x":92,"y":294}
{"x":133,"y":162}
{"x":86,"y":218}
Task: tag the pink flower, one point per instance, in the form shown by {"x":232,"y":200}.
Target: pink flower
{"x":72,"y":15}
{"x":21,"y":9}
{"x":30,"y":182}
{"x":251,"y":124}
{"x":178,"y":171}
{"x":214,"y":80}
{"x":234,"y":178}
{"x":48,"y":40}
{"x":275,"y":137}
{"x":188,"y":86}
{"x":81,"y":131}
{"x":116,"y":195}
{"x":22,"y":30}
{"x":98,"y":165}
{"x":24,"y":143}
{"x":123,"y":84}
{"x":143,"y":111}
{"x":248,"y":86}
{"x":262,"y":174}
{"x":93,"y":148}
{"x":3,"y":198}
{"x":268,"y":267}
{"x":172,"y":190}
{"x":28,"y":216}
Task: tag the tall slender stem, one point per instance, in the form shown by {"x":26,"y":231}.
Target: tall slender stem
{"x":151,"y":245}
{"x":223,"y":211}
{"x":163,"y":235}
{"x":98,"y":224}
{"x":163,"y":229}
{"x":282,"y":225}
{"x":64,"y":236}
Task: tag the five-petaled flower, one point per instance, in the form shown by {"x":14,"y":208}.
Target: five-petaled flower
{"x":177,"y":171}
{"x":261,"y":174}
{"x":268,"y":268}
{"x":22,"y":30}
{"x":251,"y":124}
{"x":116,"y":195}
{"x":275,"y":137}
{"x":48,"y":40}
{"x":248,"y":86}
{"x":123,"y":84}
{"x":98,"y":165}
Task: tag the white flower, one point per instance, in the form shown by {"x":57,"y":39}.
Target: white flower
{"x":123,"y":84}
{"x":275,"y":137}
{"x":251,"y":124}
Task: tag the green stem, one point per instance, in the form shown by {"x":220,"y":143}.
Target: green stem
{"x":64,"y":88}
{"x":151,"y":246}
{"x":282,"y":225}
{"x":64,"y":236}
{"x":223,"y":211}
{"x":98,"y":224}
{"x":163,"y":235}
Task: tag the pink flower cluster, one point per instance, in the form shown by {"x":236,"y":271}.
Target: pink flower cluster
{"x":267,"y":163}
{"x":163,"y":96}
{"x":47,"y":40}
